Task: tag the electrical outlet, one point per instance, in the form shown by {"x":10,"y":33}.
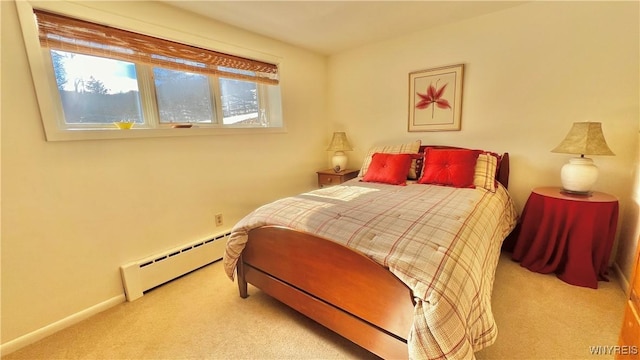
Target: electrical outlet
{"x":218,"y":219}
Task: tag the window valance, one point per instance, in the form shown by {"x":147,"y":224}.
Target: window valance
{"x":64,"y":33}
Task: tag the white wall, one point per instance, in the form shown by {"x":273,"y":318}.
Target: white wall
{"x":530,"y":72}
{"x":630,"y":227}
{"x":73,"y":212}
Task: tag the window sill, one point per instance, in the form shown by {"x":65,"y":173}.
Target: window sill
{"x":105,"y":134}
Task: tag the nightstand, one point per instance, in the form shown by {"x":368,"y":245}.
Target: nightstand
{"x":329,"y":177}
{"x":570,"y":235}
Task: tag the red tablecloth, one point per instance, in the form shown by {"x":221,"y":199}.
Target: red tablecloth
{"x":571,"y":236}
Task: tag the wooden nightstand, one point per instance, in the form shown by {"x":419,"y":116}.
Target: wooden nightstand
{"x":329,"y":177}
{"x":569,"y":235}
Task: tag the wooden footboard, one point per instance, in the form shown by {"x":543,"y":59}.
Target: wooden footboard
{"x":336,"y":286}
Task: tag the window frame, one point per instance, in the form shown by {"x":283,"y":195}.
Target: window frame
{"x":48,"y":96}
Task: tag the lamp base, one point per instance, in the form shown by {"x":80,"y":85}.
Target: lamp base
{"x":576,"y":193}
{"x":339,"y":161}
{"x":579,"y":175}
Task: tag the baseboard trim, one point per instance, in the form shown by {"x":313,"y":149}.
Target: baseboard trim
{"x":41,"y":333}
{"x":624,"y":282}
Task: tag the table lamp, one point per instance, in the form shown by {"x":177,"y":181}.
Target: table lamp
{"x":339,"y":144}
{"x":584,"y":138}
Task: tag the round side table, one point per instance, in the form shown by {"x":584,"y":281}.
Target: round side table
{"x":567,"y":234}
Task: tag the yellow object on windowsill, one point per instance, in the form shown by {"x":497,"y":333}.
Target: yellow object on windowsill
{"x":123,"y":125}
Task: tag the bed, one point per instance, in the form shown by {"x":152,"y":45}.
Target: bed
{"x":403,"y":270}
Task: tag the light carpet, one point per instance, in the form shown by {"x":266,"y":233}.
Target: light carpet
{"x":201,"y":316}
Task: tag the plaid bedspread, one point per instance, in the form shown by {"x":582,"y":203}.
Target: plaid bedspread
{"x":443,"y":242}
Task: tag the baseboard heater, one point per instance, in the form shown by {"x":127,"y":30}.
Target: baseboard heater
{"x":143,"y":275}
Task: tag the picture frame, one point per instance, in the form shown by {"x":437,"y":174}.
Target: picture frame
{"x":435,"y":99}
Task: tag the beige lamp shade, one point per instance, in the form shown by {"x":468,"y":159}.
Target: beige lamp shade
{"x":584,"y":138}
{"x":339,"y":144}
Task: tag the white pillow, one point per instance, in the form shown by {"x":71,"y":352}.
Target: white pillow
{"x":409,"y":148}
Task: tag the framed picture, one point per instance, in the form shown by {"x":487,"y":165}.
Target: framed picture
{"x":435,"y":99}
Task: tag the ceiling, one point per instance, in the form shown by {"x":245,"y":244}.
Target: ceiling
{"x":329,"y":27}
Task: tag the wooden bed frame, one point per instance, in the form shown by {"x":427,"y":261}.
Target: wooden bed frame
{"x":334,"y":285}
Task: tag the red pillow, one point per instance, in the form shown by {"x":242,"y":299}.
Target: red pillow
{"x":388,"y":168}
{"x":449,"y":167}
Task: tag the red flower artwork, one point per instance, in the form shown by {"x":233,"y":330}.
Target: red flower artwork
{"x":433,"y":96}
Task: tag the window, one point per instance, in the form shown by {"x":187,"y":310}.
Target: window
{"x":96,"y":91}
{"x":183,"y":97}
{"x":104,"y":74}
